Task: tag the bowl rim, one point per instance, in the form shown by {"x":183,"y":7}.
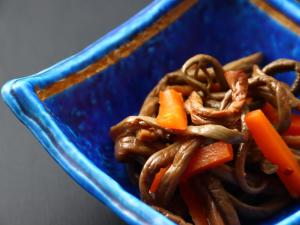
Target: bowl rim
{"x":289,"y":7}
{"x":20,"y":95}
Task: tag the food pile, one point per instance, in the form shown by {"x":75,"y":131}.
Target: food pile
{"x":216,"y":144}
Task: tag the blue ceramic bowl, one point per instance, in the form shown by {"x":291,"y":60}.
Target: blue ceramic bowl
{"x":70,"y":106}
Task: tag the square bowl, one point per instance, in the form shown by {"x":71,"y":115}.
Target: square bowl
{"x":70,"y":106}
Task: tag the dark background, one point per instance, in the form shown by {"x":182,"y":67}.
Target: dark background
{"x":34,"y":34}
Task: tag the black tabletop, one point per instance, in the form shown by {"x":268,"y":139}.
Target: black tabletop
{"x":35,"y":34}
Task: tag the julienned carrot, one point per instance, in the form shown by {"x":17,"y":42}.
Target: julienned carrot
{"x":193,"y":202}
{"x":208,"y":157}
{"x":275,"y":150}
{"x":157,"y":179}
{"x":294,"y":128}
{"x":215,"y":87}
{"x":271,"y":113}
{"x":171,"y":110}
{"x":205,"y":158}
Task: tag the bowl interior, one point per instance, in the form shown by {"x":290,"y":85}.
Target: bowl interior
{"x":224,"y":29}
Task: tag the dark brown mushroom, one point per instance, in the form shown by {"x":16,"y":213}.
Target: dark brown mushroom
{"x":285,"y":65}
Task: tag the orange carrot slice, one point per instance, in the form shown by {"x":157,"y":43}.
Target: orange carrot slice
{"x":271,"y":114}
{"x":193,"y":202}
{"x":208,"y":157}
{"x":157,"y":179}
{"x":275,"y":150}
{"x":215,"y":87}
{"x":294,"y":128}
{"x":204,"y":158}
{"x":171,"y":110}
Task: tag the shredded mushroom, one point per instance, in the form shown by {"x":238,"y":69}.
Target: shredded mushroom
{"x":216,"y":99}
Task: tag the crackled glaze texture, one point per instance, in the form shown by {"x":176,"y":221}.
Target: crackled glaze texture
{"x":84,"y":113}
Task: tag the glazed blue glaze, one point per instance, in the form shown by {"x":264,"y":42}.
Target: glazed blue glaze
{"x":73,"y":126}
{"x":291,"y":8}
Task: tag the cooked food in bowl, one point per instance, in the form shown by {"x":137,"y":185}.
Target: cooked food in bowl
{"x":216,"y":144}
